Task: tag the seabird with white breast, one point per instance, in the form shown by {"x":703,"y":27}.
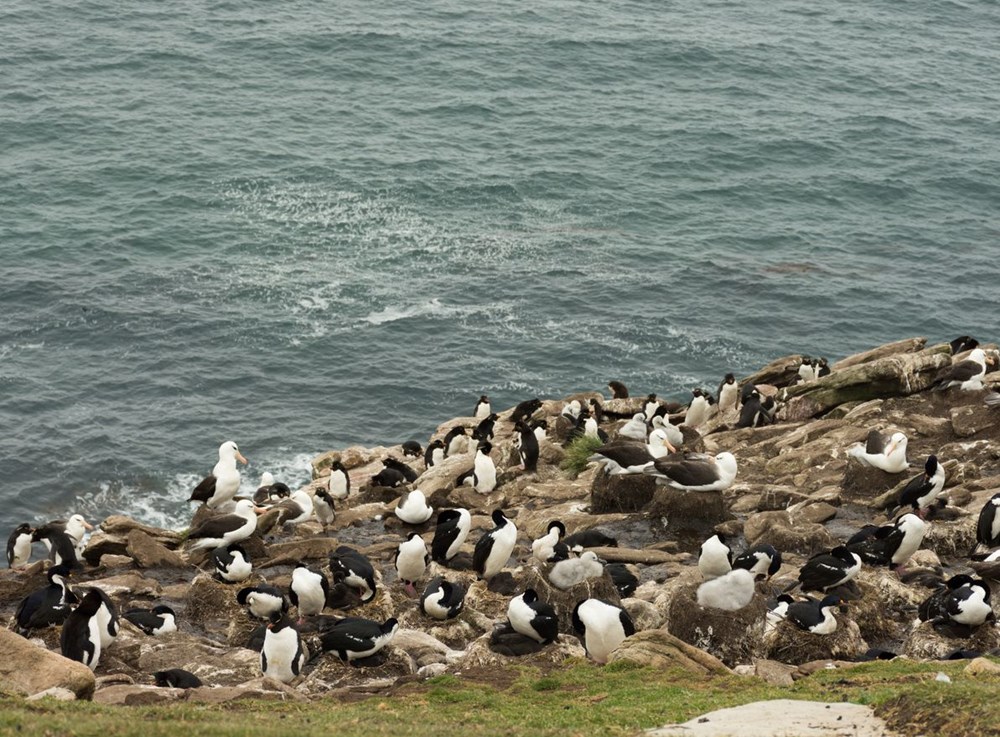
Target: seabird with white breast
{"x":222,"y":484}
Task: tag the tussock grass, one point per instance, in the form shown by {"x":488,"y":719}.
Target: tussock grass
{"x":577,"y":453}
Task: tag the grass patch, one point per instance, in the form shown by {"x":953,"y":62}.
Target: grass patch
{"x":579,"y":699}
{"x":577,"y":454}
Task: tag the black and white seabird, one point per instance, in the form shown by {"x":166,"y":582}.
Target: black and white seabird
{"x":715,"y":558}
{"x":81,"y":637}
{"x":482,"y":409}
{"x":590,"y":538}
{"x":963,"y":343}
{"x":434,"y":453}
{"x":625,"y":581}
{"x":232,"y":563}
{"x":411,"y":561}
{"x":483,"y":476}
{"x":540,"y":429}
{"x":969,"y":605}
{"x":456,"y":442}
{"x":777,"y":611}
{"x":453,"y":527}
{"x":650,"y":407}
{"x":590,"y":426}
{"x":623,"y":458}
{"x":701,"y":409}
{"x":339,"y":483}
{"x":730,"y":592}
{"x":323,"y":507}
{"x":527,"y":447}
{"x":533,"y":618}
{"x":525,"y":410}
{"x":107,"y":619}
{"x":19,"y":546}
{"x":618,"y":390}
{"x":271,"y":492}
{"x":664,"y":438}
{"x":923,"y":490}
{"x":494,"y":548}
{"x":567,"y":573}
{"x":602,"y":626}
{"x":357,"y":569}
{"x":48,"y":605}
{"x":355,"y":638}
{"x":988,"y":527}
{"x":442,"y":599}
{"x":762,"y":560}
{"x":890,"y":545}
{"x":225,"y":529}
{"x":62,"y":547}
{"x":408,"y":473}
{"x":757,"y":410}
{"x":484,"y":430}
{"x":571,"y":410}
{"x":966,"y":375}
{"x":296,"y":509}
{"x":933,"y":607}
{"x":888,"y":454}
{"x":159,"y":620}
{"x":829,"y":570}
{"x":696,"y":471}
{"x":412,"y":449}
{"x":262,"y":600}
{"x":413,"y":508}
{"x":389,"y":478}
{"x":308,"y":591}
{"x":728,"y":395}
{"x":547,"y":548}
{"x":176,"y":678}
{"x":282,"y":656}
{"x":815,"y":616}
{"x":222,"y":484}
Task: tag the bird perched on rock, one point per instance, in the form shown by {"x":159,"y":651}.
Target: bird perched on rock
{"x":494,"y":547}
{"x":571,"y":410}
{"x":413,"y":508}
{"x":408,"y":473}
{"x":964,"y":601}
{"x":815,"y":616}
{"x":262,"y":600}
{"x":890,"y":545}
{"x":48,"y":605}
{"x":540,"y":429}
{"x":533,"y":618}
{"x":442,"y":599}
{"x":232,"y":564}
{"x":272,"y":493}
{"x":434,"y":453}
{"x":634,"y":429}
{"x":308,"y":591}
{"x":222,"y":484}
{"x":359,"y":573}
{"x":411,"y":561}
{"x":282,"y":655}
{"x":966,"y":375}
{"x":389,"y":478}
{"x":225,"y":529}
{"x":625,"y":581}
{"x":702,"y":407}
{"x":456,"y":442}
{"x":81,"y":638}
{"x":157,"y":621}
{"x":829,"y":570}
{"x":602,"y":626}
{"x":323,"y":507}
{"x":19,"y":546}
{"x":339,"y":483}
{"x":963,"y":343}
{"x":296,"y":509}
{"x":650,"y":407}
{"x":566,"y":574}
{"x":988,"y":526}
{"x":715,"y":558}
{"x":176,"y":678}
{"x":888,"y":454}
{"x":412,"y":449}
{"x":62,"y":547}
{"x":547,"y":548}
{"x":525,"y":410}
{"x":623,"y":458}
{"x":590,"y":538}
{"x":355,"y":638}
{"x":483,"y":476}
{"x":923,"y":490}
{"x":777,"y":611}
{"x":618,"y":390}
{"x":729,"y":592}
{"x":452,"y":529}
{"x":485,"y":429}
{"x":762,"y":560}
{"x":482,"y":408}
{"x":696,"y":471}
{"x":728,"y":396}
{"x":527,"y":447}
{"x":757,"y":410}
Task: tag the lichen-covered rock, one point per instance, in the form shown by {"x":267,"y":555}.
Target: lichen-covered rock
{"x":148,"y":552}
{"x":628,"y":493}
{"x":659,"y":649}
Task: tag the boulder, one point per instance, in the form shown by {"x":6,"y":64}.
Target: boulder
{"x":972,"y":419}
{"x":101,"y":544}
{"x":29,"y":669}
{"x":779,"y":529}
{"x":613,"y":494}
{"x":132,"y":695}
{"x":660,"y":649}
{"x":866,"y":484}
{"x":695,"y":512}
{"x":908,"y":345}
{"x":644,"y":614}
{"x":927,"y":643}
{"x":121,"y":525}
{"x":150,"y":553}
{"x":214,"y":665}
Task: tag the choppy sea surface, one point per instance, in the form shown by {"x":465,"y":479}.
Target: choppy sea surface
{"x":305,"y":225}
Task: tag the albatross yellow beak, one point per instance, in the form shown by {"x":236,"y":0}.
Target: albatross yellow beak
{"x":87,"y":525}
{"x":240,"y":458}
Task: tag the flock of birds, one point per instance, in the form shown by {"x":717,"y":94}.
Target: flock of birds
{"x":647,"y":443}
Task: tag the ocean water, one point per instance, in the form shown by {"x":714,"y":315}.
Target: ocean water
{"x":306,"y":225}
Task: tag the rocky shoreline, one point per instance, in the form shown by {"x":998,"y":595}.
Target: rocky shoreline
{"x":796,"y":489}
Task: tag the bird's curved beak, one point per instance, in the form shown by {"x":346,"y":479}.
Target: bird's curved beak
{"x":240,"y":457}
{"x":87,"y":525}
{"x":260,"y":510}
